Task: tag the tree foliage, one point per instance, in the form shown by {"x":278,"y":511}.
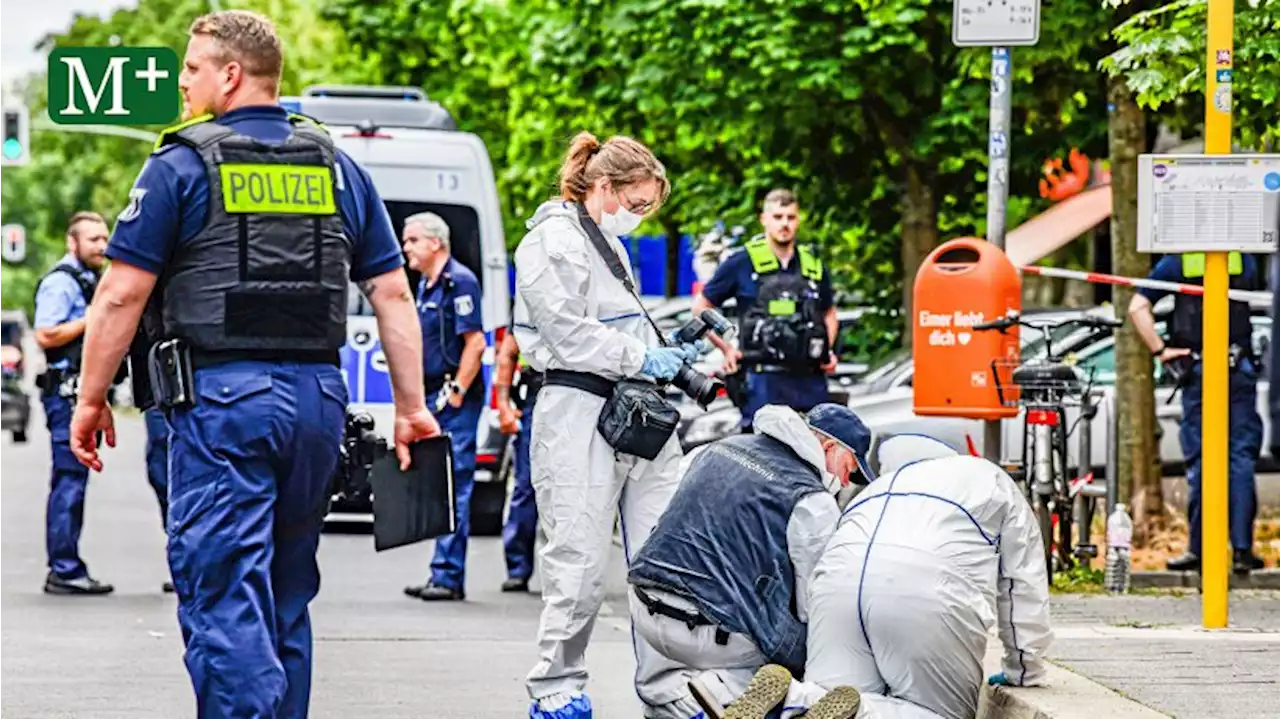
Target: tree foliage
{"x":1162,"y":58}
{"x":71,"y":171}
{"x":864,"y":107}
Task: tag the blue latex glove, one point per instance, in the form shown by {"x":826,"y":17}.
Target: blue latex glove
{"x":999,"y":680}
{"x":664,"y":362}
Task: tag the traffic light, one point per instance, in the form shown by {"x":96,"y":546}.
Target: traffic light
{"x":15,"y":148}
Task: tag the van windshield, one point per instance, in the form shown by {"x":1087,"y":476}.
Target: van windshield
{"x":464,"y":241}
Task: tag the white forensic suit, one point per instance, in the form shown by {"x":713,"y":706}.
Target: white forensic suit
{"x":725,"y":667}
{"x":925,"y":560}
{"x":571,"y":313}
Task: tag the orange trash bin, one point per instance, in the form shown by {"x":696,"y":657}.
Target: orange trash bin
{"x":962,"y":283}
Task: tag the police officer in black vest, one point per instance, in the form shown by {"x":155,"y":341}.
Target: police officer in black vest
{"x":248,"y":224}
{"x":785,"y":310}
{"x":62,"y":298}
{"x":1180,"y":355}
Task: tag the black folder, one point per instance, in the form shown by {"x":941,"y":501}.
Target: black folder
{"x":417,"y":504}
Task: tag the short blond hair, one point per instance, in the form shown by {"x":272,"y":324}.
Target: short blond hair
{"x":247,"y":38}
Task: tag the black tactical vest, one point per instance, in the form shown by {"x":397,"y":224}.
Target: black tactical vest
{"x":73,"y":350}
{"x":784,"y":326}
{"x":269,"y":271}
{"x":1186,"y":326}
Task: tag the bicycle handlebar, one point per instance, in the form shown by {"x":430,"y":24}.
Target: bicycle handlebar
{"x":1004,"y":323}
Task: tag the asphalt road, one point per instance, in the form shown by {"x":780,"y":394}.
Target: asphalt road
{"x":378,"y":652}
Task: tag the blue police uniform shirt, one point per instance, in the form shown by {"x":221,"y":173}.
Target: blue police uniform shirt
{"x":59,"y":299}
{"x":1169,"y":269}
{"x":448,"y":309}
{"x":169,"y":202}
{"x":733,"y":278}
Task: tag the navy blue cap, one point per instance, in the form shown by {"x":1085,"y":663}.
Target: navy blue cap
{"x":841,"y":424}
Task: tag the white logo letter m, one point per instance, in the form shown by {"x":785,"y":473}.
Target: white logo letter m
{"x":77,"y":74}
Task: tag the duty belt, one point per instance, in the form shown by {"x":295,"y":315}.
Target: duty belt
{"x":691,"y":619}
{"x":207,"y":358}
{"x":60,"y":382}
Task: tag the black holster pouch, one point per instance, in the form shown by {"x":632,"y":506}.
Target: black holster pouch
{"x":150,"y":331}
{"x":636,"y":418}
{"x":172,"y":372}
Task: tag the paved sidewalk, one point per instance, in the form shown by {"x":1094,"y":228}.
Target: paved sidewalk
{"x":1151,"y":649}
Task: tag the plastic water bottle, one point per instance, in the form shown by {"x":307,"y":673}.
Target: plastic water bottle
{"x":1119,"y":542}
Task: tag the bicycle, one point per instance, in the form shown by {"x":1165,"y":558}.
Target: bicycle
{"x":1044,"y":388}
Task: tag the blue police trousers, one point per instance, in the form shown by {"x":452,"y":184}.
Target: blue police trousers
{"x":799,"y":393}
{"x":449,"y":565}
{"x":64,"y":513}
{"x":520,"y":532}
{"x":158,"y":459}
{"x":250,"y":470}
{"x":1244,"y":445}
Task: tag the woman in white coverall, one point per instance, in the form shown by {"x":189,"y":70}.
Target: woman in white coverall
{"x":573,"y":314}
{"x":923,"y":560}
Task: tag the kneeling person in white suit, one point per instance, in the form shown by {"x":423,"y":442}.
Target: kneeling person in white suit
{"x":721,"y":586}
{"x":911,"y":583}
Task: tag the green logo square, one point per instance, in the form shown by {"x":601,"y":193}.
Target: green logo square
{"x":113,"y":86}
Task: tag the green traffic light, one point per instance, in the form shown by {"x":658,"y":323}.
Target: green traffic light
{"x":12,"y":148}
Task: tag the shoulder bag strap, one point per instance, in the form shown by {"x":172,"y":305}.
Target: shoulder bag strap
{"x":615,"y":265}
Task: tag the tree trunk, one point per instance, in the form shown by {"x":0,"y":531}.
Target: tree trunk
{"x":919,"y":234}
{"x":1139,"y":472}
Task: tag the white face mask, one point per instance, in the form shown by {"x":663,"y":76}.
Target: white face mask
{"x":831,"y":482}
{"x":619,"y":223}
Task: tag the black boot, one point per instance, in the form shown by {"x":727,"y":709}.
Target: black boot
{"x":437,"y":593}
{"x":1245,"y":561}
{"x":516,"y":584}
{"x":85,"y":585}
{"x":1188,"y":562}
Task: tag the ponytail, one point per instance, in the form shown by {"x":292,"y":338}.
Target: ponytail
{"x":622,"y":160}
{"x":573,"y":173}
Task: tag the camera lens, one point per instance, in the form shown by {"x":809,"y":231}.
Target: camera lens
{"x":700,"y":388}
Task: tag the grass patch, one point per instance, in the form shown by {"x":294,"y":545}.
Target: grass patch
{"x":1079,"y":579}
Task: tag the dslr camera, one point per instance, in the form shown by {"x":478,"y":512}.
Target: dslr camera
{"x":360,"y":448}
{"x":699,"y":387}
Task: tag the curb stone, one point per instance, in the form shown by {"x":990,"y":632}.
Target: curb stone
{"x":1260,"y":579}
{"x":1064,"y":695}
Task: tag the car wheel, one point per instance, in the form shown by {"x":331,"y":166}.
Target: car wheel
{"x":20,"y":436}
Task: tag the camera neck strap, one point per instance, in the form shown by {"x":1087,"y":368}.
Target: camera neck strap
{"x":611,"y":259}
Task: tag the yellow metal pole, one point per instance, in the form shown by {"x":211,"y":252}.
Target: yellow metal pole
{"x":1214,"y":552}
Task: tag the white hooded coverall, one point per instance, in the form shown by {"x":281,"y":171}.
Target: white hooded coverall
{"x":925,"y":560}
{"x":727,"y":669}
{"x":571,"y":313}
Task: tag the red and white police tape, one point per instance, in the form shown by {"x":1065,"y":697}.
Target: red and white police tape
{"x":1099,"y":278}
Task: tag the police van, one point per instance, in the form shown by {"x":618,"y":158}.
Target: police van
{"x":419,"y":161}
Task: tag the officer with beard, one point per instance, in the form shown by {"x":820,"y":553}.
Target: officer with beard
{"x":62,"y":299}
{"x":785,"y":310}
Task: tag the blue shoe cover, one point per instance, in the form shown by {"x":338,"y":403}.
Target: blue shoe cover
{"x":578,"y":708}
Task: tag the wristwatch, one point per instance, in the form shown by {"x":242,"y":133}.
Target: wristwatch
{"x":452,"y":387}
{"x":1160,"y":351}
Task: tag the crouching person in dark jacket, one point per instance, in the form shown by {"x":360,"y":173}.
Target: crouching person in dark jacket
{"x":721,"y":586}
